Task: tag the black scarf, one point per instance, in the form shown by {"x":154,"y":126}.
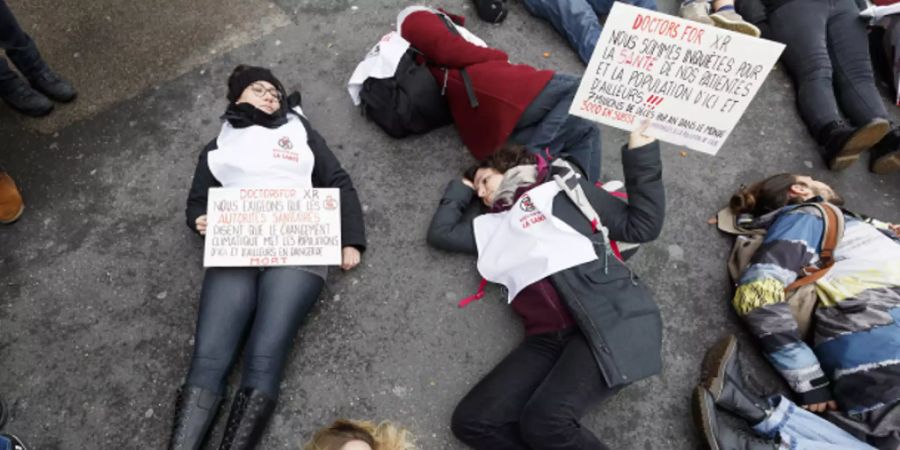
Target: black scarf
{"x":244,"y":115}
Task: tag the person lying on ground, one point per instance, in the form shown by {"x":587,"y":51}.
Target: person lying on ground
{"x":507,"y":102}
{"x":591,"y":325}
{"x":853,"y":364}
{"x":827,"y":55}
{"x":361,"y":435}
{"x":777,"y":421}
{"x":269,"y":303}
{"x":723,"y":15}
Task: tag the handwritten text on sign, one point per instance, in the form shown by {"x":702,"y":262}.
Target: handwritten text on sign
{"x":273,"y":227}
{"x":693,"y":81}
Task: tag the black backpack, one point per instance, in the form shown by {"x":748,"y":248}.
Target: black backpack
{"x":410,"y":102}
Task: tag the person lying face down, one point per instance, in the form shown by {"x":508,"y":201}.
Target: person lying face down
{"x":537,"y":395}
{"x":853,"y":363}
{"x":361,"y":435}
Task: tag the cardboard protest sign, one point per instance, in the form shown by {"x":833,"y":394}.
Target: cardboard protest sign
{"x":273,"y":227}
{"x":692,"y":81}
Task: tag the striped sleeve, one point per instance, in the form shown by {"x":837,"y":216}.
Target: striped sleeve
{"x":791,"y":244}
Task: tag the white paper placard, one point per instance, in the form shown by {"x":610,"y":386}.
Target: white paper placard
{"x":692,"y":81}
{"x":249,"y":227}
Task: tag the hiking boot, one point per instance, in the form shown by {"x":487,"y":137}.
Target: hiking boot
{"x":52,"y":85}
{"x":721,"y":376}
{"x":11,"y":206}
{"x":718,"y":433}
{"x":886,"y":154}
{"x":842,"y":144}
{"x":731,"y":20}
{"x":12,"y":442}
{"x":697,"y":10}
{"x":250,"y":413}
{"x":195,"y":410}
{"x":21,"y":97}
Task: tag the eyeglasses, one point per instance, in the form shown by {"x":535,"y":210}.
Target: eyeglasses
{"x":260,"y":91}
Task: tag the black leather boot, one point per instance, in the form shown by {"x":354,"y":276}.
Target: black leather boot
{"x":721,"y":375}
{"x":718,"y":433}
{"x":21,"y":97}
{"x":195,"y":411}
{"x":842,"y":144}
{"x":49,"y":83}
{"x":250,"y":413}
{"x":886,"y":154}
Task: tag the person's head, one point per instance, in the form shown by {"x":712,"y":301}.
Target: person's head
{"x":359,"y":435}
{"x":778,"y":191}
{"x":487,"y":175}
{"x":255,"y":86}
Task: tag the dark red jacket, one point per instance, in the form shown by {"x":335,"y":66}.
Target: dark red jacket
{"x":541,"y":308}
{"x":504,"y":90}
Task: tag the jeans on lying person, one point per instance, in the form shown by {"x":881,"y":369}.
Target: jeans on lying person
{"x":269,"y":304}
{"x":19,"y":47}
{"x":800,"y":429}
{"x":546,"y":125}
{"x":578,"y":20}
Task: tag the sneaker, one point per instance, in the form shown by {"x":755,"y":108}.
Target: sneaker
{"x":841,"y":144}
{"x":886,"y":154}
{"x":52,"y":85}
{"x":11,"y":206}
{"x":21,"y":97}
{"x":731,"y":20}
{"x":698,"y":11}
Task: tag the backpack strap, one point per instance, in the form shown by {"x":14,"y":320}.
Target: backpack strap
{"x":467,"y":82}
{"x":831,"y":237}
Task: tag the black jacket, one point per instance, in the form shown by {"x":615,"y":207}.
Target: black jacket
{"x":327,"y":173}
{"x":613,"y":309}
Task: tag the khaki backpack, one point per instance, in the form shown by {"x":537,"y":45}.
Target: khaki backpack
{"x":801,"y":294}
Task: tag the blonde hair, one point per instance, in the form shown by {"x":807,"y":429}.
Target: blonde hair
{"x":384,"y":436}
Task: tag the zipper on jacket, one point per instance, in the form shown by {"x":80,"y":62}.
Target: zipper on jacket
{"x":446,"y":76}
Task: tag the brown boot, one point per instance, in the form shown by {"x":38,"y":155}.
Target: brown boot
{"x":11,"y":205}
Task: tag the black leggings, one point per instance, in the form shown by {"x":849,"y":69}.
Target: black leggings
{"x":827,"y":54}
{"x":18,"y":45}
{"x":268,"y":303}
{"x":535,"y":397}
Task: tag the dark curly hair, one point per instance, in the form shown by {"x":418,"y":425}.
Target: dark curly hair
{"x":509,"y":156}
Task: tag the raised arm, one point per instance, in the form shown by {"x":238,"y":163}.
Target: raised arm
{"x":448,"y":230}
{"x":203,"y":180}
{"x":790,"y":244}
{"x":428,"y":33}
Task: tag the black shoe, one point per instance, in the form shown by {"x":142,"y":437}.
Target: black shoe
{"x":14,"y":441}
{"x":26,"y":100}
{"x":492,"y":11}
{"x":718,"y":433}
{"x":841,"y":144}
{"x":886,"y":154}
{"x":250,"y":413}
{"x":721,"y":376}
{"x":52,"y":85}
{"x":195,"y":411}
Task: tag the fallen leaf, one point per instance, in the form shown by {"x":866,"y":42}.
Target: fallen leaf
{"x":546,"y":54}
{"x":683,"y":154}
{"x":712,"y":220}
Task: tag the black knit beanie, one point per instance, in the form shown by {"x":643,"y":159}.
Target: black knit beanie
{"x":244,"y":76}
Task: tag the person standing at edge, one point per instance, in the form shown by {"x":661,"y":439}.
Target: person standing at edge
{"x":31,"y":98}
{"x":268,"y":303}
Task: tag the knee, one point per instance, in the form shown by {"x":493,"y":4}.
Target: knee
{"x":542,"y":427}
{"x":467,"y":424}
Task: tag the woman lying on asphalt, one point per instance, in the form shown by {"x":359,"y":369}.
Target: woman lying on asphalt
{"x":591,"y":325}
{"x":268,"y":303}
{"x":357,"y":435}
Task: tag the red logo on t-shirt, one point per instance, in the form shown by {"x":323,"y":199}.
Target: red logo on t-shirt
{"x":285,"y":143}
{"x":526,"y":204}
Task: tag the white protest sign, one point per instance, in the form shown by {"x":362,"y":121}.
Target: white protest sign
{"x":273,"y":227}
{"x":692,"y":81}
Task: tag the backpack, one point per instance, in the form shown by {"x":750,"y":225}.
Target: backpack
{"x":801,"y":294}
{"x":410,"y":102}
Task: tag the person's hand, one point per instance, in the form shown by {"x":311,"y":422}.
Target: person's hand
{"x":638,"y":138}
{"x":468,"y":183}
{"x":350,"y":258}
{"x":201,"y":225}
{"x":895,"y":228}
{"x":830,"y":405}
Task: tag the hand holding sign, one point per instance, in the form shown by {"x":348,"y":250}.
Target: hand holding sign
{"x":693,"y":81}
{"x":638,"y":137}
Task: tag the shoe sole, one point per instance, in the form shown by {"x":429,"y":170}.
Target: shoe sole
{"x":862,"y":140}
{"x":738,"y":27}
{"x":887,"y":164}
{"x":703,"y":417}
{"x":713,"y":370}
{"x":29,"y":113}
{"x":15,"y":218}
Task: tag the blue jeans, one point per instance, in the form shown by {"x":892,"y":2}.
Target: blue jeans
{"x":20,"y":49}
{"x":269,"y":304}
{"x":547,"y":125}
{"x":800,"y":429}
{"x":578,"y":20}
